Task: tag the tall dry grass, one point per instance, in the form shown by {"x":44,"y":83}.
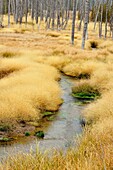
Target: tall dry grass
{"x":28,"y":88}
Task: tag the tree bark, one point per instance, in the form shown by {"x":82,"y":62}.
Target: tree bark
{"x":73,"y":22}
{"x":9,"y":10}
{"x":1,"y":12}
{"x":87,"y":7}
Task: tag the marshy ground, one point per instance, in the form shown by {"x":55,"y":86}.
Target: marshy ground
{"x":30,"y":66}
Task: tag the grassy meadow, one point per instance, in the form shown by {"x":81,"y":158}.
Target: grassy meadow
{"x":31,"y":62}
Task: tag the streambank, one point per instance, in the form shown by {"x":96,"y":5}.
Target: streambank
{"x":60,"y":133}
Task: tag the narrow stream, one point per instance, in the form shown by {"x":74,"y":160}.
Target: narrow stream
{"x":61,"y":132}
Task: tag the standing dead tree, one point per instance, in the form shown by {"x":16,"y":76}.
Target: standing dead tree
{"x":73,"y":22}
{"x":111,"y":19}
{"x":55,"y":14}
{"x":1,"y":13}
{"x":86,"y":20}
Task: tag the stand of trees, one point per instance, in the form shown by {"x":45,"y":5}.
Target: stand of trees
{"x":56,"y":14}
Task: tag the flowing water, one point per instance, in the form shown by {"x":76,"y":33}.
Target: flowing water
{"x":60,"y":133}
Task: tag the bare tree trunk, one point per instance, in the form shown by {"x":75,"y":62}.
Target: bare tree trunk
{"x":26,"y":11}
{"x":37,"y":12}
{"x":17,"y":10}
{"x":62,"y":13}
{"x":73,"y":22}
{"x":9,"y":10}
{"x":32,"y":13}
{"x":53,"y":13}
{"x":67,"y":13}
{"x":47,"y":11}
{"x":48,"y":14}
{"x":41,"y":11}
{"x":81,"y":14}
{"x":14,"y":9}
{"x":101,"y":20}
{"x":111,"y":19}
{"x":22,"y":11}
{"x":106,"y":23}
{"x":58,"y":14}
{"x":87,"y":6}
{"x":1,"y":12}
{"x":97,"y":14}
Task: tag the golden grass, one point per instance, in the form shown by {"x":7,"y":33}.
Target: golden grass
{"x":82,"y":69}
{"x":53,"y":34}
{"x":26,"y":93}
{"x":7,"y":54}
{"x":28,"y":90}
{"x":92,"y":155}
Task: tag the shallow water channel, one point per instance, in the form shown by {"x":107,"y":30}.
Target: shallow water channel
{"x":59,"y":134}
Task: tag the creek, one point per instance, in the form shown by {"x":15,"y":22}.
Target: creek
{"x":59,"y":134}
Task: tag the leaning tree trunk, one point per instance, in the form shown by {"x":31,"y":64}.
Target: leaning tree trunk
{"x":97,"y":14}
{"x":81,"y":14}
{"x":67,"y":9}
{"x":73,"y":22}
{"x":87,"y":7}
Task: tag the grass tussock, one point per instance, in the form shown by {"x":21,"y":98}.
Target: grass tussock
{"x":8,"y":66}
{"x":9,"y":54}
{"x":94,"y":44}
{"x":85,"y":90}
{"x":100,"y":110}
{"x":25,"y":94}
{"x":80,"y":69}
{"x":58,"y":62}
{"x":58,"y":52}
{"x":110,"y":49}
{"x":52,"y":34}
{"x":21,"y":30}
